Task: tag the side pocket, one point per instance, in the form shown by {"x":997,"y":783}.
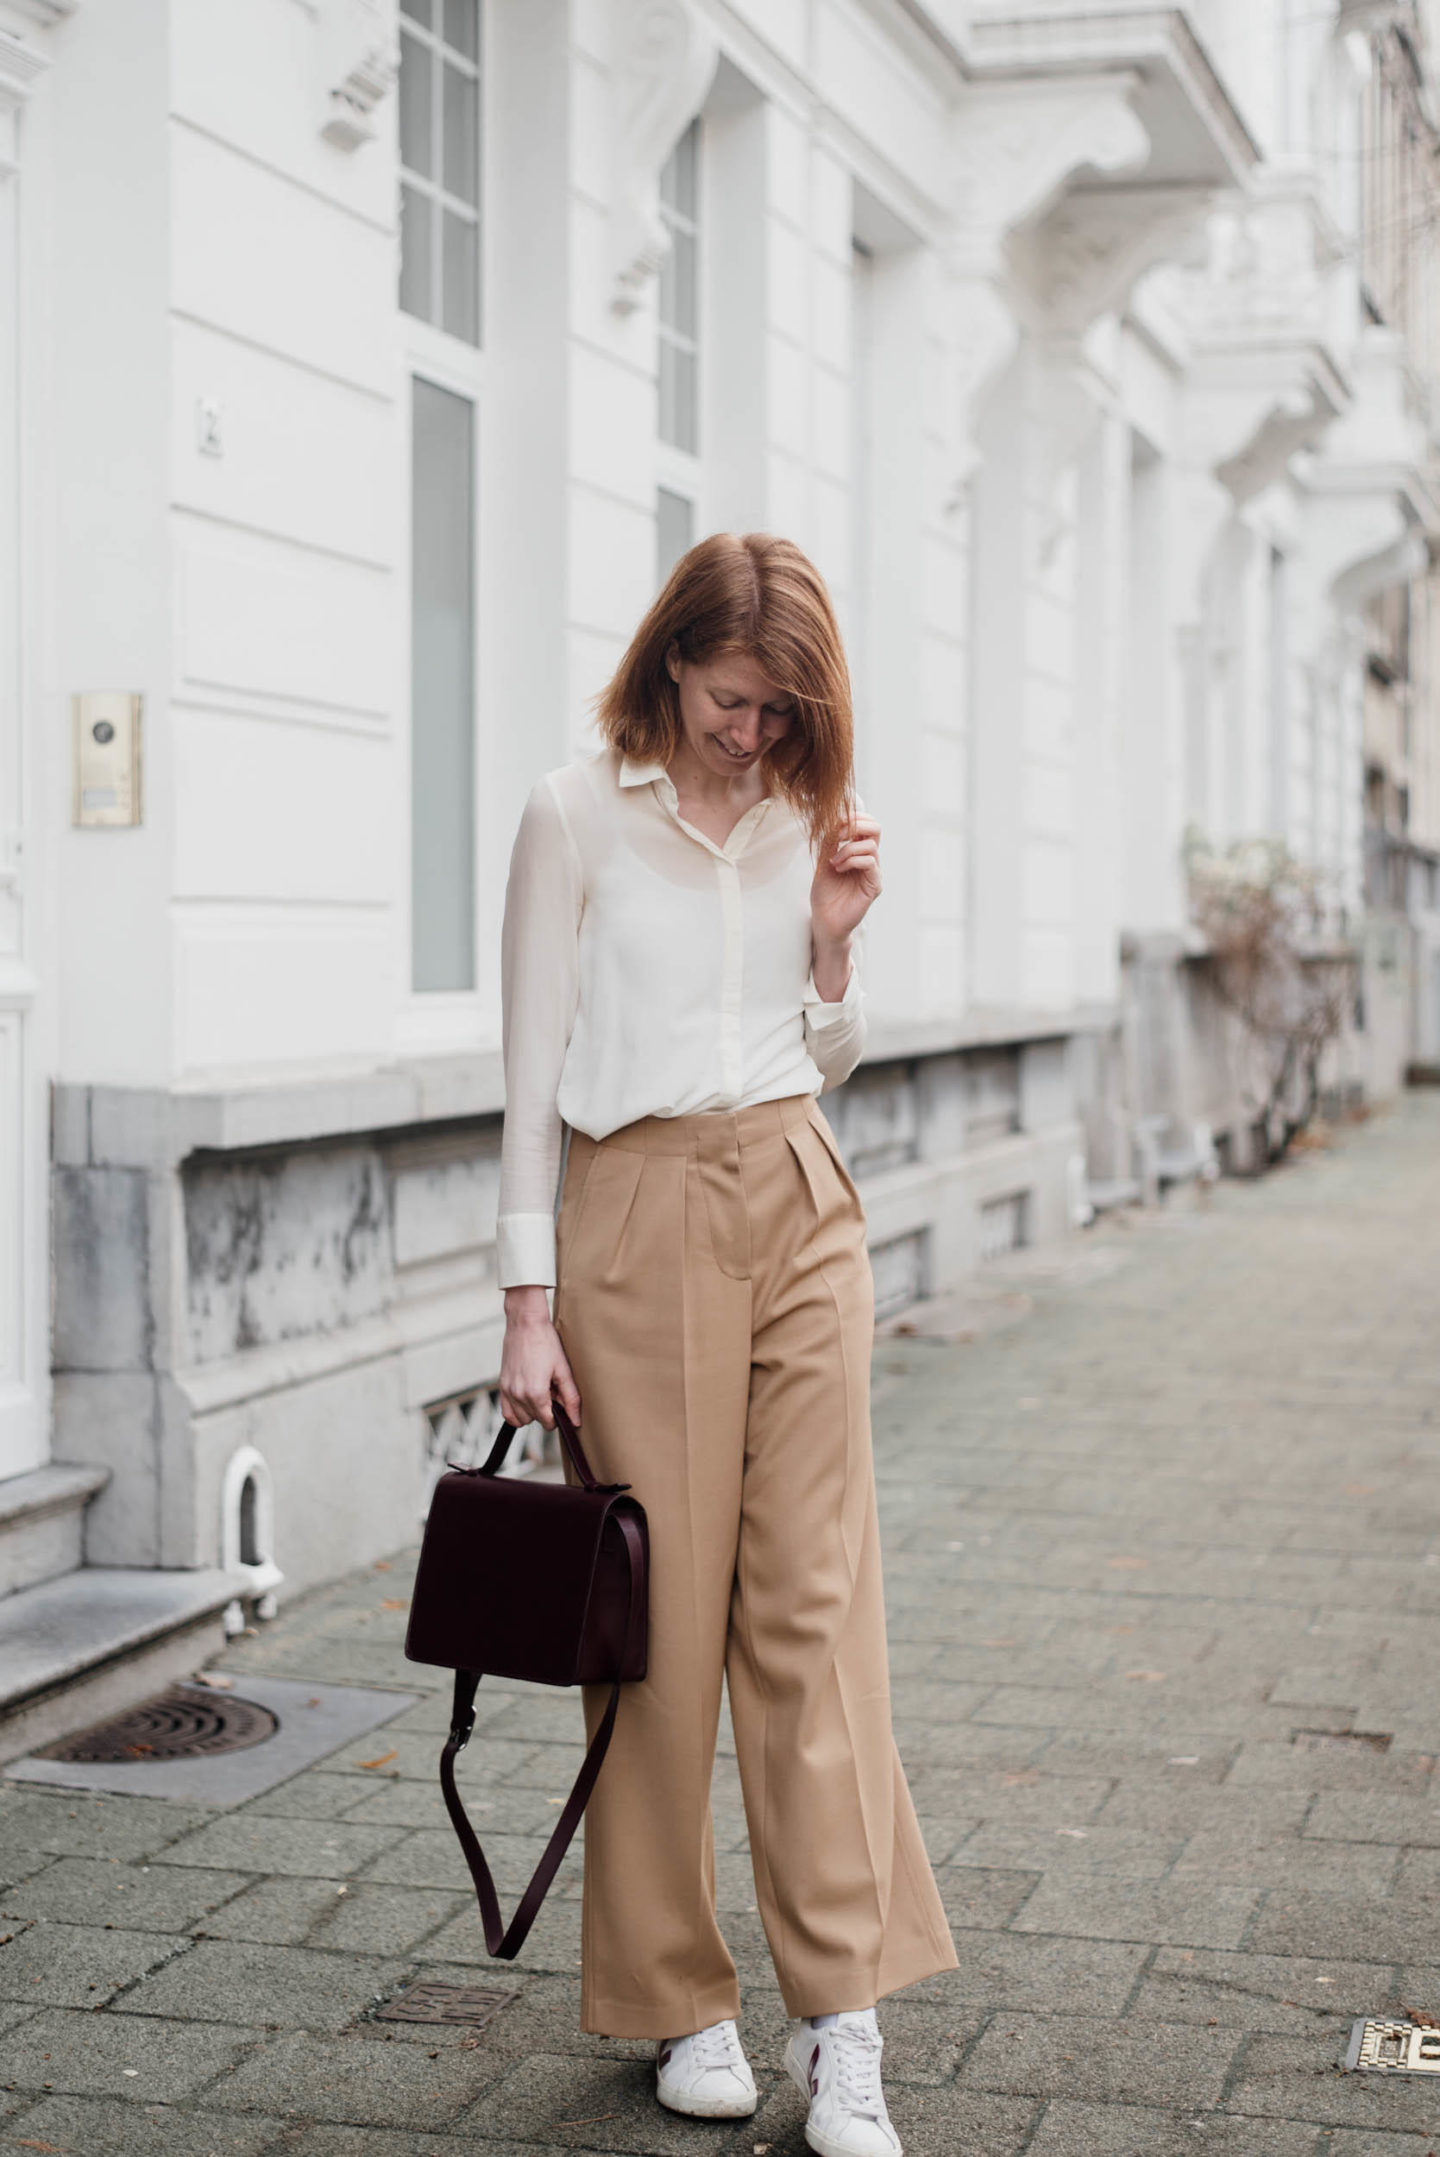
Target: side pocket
{"x":827,"y":1139}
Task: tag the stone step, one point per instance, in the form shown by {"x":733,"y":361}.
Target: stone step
{"x":42,"y":1518}
{"x":95,"y":1641}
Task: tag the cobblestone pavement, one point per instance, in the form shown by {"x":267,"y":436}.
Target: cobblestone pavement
{"x":1154,"y":1552}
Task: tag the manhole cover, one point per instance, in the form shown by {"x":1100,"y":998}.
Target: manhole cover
{"x":425,"y":2002}
{"x":183,"y":1724}
{"x":1393,"y":2048}
{"x":1327,"y":1741}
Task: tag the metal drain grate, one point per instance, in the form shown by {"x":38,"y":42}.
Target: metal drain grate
{"x":474,"y":2005}
{"x":1380,"y":2046}
{"x":183,"y":1724}
{"x":1328,"y":1741}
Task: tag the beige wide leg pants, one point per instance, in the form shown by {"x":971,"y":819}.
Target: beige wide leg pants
{"x":716,"y":1305}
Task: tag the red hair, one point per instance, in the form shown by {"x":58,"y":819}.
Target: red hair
{"x":760,"y":596}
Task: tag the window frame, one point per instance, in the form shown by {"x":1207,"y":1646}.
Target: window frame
{"x":681,"y":472}
{"x":443,"y":54}
{"x":444,"y":1021}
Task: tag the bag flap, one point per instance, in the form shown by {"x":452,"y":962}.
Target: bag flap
{"x":505,"y":1575}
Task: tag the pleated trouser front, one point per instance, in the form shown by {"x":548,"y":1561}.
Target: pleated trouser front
{"x":716,"y":1304}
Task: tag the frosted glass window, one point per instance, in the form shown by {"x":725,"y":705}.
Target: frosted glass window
{"x":674,"y":530}
{"x":679,"y":308}
{"x":442,"y":689}
{"x":440,"y":157}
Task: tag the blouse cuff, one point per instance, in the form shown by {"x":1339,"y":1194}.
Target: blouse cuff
{"x":819,"y":1013}
{"x":525,"y":1250}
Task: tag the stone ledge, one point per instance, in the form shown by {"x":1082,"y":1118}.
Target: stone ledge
{"x":155,"y":1127}
{"x":67,"y":1629}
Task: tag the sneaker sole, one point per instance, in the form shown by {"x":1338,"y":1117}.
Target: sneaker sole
{"x":705,"y":2108}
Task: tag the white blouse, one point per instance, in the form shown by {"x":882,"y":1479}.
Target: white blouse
{"x":648,"y":972}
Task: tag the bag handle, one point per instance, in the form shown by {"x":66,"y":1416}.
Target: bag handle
{"x":500,"y":1942}
{"x":569,"y":1438}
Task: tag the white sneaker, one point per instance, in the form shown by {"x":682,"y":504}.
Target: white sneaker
{"x":839,"y":2071}
{"x":707,"y":2075}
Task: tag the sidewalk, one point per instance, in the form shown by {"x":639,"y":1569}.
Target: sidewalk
{"x":1153,"y":1553}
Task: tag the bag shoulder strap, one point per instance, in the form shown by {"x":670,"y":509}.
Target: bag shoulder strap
{"x":500,"y":1942}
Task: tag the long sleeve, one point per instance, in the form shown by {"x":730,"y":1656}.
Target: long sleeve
{"x":835,"y":1033}
{"x":540,"y":986}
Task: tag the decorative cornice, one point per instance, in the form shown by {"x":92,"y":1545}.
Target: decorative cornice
{"x":665,"y":58}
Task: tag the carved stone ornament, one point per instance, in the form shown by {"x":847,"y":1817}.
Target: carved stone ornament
{"x":361,"y":58}
{"x":1019,"y":148}
{"x":664,"y":60}
{"x":1083,"y":259}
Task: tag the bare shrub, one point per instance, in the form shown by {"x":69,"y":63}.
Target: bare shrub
{"x":1271,"y":964}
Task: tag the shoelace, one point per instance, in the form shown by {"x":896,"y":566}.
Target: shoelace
{"x":857,"y":2069}
{"x":719,"y":2046}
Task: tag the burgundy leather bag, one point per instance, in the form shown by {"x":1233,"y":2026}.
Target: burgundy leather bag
{"x":544,"y":1581}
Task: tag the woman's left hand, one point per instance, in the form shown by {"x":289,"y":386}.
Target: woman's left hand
{"x":847,"y":883}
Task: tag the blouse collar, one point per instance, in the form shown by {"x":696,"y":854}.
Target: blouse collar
{"x":633,"y":773}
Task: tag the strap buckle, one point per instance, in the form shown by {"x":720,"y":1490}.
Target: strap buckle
{"x":461,"y":1728}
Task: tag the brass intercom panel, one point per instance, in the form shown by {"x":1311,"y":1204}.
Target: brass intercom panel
{"x":107,"y":758}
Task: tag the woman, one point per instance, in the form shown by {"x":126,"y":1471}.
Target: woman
{"x":679,"y":985}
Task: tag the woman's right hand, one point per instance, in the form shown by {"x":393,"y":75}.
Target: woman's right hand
{"x":533,"y":1365}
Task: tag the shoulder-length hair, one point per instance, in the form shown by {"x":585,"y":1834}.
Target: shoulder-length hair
{"x":761,"y":596}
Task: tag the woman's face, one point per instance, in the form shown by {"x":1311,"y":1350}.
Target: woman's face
{"x":730,"y":711}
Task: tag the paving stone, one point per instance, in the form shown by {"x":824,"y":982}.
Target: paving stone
{"x":1265,"y":1992}
{"x":1289,"y":1862}
{"x":287,"y":1987}
{"x":1124,"y":1853}
{"x":121,"y":2055}
{"x":79,"y":1965}
{"x":973,"y":1896}
{"x":385,"y":1920}
{"x":1081,"y":2130}
{"x":1103,"y":1909}
{"x":310,"y":1849}
{"x":106,"y":2127}
{"x":1009,"y":1969}
{"x":1374,"y":1931}
{"x":355,"y":2081}
{"x":311,"y":1796}
{"x":1298,"y":2078}
{"x":72,"y":1822}
{"x":280,"y":1913}
{"x":1090,"y":2056}
{"x":98,"y":1891}
{"x":1384,"y":1817}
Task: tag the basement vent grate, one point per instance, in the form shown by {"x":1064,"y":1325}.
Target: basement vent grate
{"x":1329,"y":1741}
{"x":1380,"y":2046}
{"x":183,"y":1724}
{"x":474,"y":2005}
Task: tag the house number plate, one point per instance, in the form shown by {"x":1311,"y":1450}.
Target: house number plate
{"x":1393,"y":2048}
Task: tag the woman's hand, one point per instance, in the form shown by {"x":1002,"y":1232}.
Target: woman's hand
{"x":533,"y":1365}
{"x":846,"y":886}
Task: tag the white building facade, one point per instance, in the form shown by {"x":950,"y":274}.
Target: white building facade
{"x":363,"y":367}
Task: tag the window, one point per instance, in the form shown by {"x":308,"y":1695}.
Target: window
{"x":442,"y":689}
{"x":674,"y":530}
{"x":678,"y":358}
{"x":679,"y":295}
{"x":440,"y":164}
